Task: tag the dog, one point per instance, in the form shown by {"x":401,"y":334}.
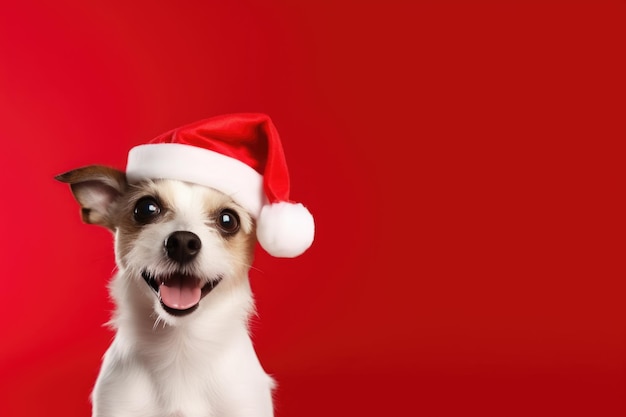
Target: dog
{"x":183,"y":299}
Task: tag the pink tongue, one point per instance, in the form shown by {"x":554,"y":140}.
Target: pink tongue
{"x":180,"y":292}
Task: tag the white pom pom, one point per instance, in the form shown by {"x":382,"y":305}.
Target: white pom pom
{"x":285,"y":230}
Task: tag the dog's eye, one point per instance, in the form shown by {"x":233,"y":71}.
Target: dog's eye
{"x":228,"y":221}
{"x":146,"y":209}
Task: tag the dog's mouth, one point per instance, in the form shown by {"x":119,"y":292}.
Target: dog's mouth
{"x":179,"y":293}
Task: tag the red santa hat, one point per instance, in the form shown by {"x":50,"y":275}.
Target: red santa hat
{"x":242,"y":156}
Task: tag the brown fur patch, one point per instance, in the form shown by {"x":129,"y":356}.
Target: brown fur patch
{"x":107,"y":175}
{"x":96,"y":188}
{"x":241,"y":242}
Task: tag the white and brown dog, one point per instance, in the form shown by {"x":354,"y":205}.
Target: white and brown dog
{"x":186,"y":216}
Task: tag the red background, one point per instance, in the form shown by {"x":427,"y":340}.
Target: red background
{"x":461,"y":160}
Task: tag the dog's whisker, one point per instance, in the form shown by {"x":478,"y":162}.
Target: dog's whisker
{"x":246,"y":265}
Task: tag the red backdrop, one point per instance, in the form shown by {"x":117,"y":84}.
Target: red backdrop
{"x":461,"y":159}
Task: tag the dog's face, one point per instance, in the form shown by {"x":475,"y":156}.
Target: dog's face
{"x":179,"y":240}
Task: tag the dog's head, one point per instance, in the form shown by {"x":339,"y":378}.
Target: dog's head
{"x":179,"y":240}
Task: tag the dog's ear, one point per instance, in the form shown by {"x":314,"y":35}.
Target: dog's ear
{"x":96,"y":188}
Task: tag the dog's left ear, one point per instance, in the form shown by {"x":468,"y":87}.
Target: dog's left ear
{"x":96,"y":188}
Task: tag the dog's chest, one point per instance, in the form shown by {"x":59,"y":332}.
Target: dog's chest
{"x":166,"y":374}
{"x":183,"y":376}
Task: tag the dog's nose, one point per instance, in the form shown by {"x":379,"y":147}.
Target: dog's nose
{"x":182,"y":246}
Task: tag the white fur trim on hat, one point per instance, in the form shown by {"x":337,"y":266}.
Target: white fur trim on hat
{"x":285,"y":229}
{"x":188,"y":163}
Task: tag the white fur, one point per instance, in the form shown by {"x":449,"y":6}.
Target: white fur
{"x":199,"y":365}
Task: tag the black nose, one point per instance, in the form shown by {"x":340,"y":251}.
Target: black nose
{"x":182,"y":246}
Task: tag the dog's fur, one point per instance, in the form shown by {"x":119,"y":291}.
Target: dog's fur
{"x":164,"y":363}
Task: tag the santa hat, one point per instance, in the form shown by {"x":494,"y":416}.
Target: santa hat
{"x":242,"y":156}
